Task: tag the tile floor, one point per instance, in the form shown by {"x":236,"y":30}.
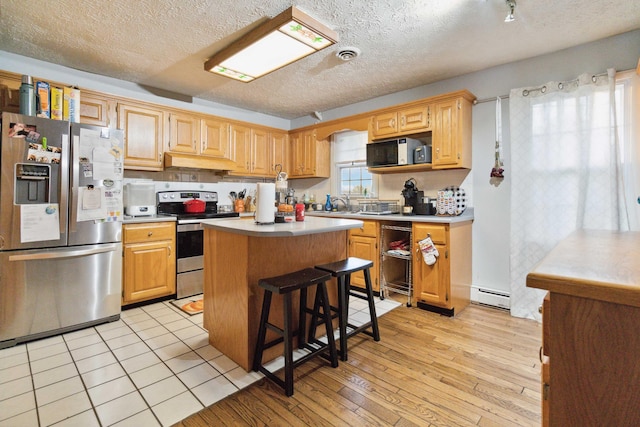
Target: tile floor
{"x":152,"y":367}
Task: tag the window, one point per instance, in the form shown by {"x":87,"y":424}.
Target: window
{"x":349,"y":157}
{"x":355,"y":179}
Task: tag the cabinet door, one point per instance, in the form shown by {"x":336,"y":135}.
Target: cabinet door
{"x":143,"y":136}
{"x":446,"y":151}
{"x":215,"y":138}
{"x":297,"y":154}
{"x":148,"y":271}
{"x":183,"y":133}
{"x":415,"y":119}
{"x":385,"y":124}
{"x":241,"y":146}
{"x":308,"y":142}
{"x":259,"y":152}
{"x":94,"y":110}
{"x":10,"y":94}
{"x":279,"y":152}
{"x":365,"y":248}
{"x":432,"y":282}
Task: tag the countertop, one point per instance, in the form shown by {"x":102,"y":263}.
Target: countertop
{"x":596,"y":264}
{"x":467,"y":215}
{"x":311,"y":225}
{"x":151,"y":218}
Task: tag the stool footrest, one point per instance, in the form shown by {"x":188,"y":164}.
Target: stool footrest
{"x":354,"y":330}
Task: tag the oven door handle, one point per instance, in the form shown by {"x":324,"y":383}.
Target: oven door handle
{"x":189,"y":227}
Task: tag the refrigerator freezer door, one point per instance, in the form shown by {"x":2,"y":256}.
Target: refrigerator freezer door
{"x":34,"y":155}
{"x":50,"y":291}
{"x":97,"y":162}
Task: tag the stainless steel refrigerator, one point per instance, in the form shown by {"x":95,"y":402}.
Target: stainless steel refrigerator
{"x":60,"y":227}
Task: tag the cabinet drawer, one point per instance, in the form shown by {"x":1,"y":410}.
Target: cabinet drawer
{"x":438,"y":233}
{"x":369,"y":228}
{"x":148,"y":232}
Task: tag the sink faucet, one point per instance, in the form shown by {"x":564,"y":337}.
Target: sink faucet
{"x":344,"y":199}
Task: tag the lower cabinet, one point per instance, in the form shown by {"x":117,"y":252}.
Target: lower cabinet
{"x":445,"y":286}
{"x":363,"y":243}
{"x":149,"y":265}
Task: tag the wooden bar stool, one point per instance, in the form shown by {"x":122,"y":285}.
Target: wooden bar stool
{"x":285,"y":285}
{"x":342,"y":271}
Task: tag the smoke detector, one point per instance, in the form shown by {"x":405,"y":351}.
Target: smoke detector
{"x":348,"y":53}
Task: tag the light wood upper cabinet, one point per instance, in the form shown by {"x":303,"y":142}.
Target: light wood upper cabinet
{"x":241,"y":148}
{"x":452,"y":134}
{"x":184,"y":130}
{"x":278,"y":152}
{"x":384,"y":124}
{"x":96,"y":109}
{"x":149,"y":265}
{"x":251,"y":147}
{"x":401,"y":122}
{"x":214,"y":135}
{"x":417,"y":119}
{"x":143,"y":135}
{"x":259,"y":149}
{"x":310,"y":158}
{"x":10,"y":93}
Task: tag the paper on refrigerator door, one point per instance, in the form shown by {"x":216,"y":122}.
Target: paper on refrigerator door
{"x":92,"y":204}
{"x":103,"y":153}
{"x":39,"y":222}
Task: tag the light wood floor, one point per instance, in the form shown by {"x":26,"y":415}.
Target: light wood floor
{"x":479,"y":368}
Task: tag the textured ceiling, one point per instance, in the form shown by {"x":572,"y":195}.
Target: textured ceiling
{"x":404,"y":43}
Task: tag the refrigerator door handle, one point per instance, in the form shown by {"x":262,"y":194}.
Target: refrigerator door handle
{"x":64,"y":254}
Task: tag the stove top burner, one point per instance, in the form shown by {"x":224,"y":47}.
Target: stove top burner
{"x":171,"y":203}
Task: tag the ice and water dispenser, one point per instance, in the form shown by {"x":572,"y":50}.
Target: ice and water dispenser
{"x":32,"y":183}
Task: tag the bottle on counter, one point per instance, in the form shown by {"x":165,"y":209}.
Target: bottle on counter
{"x":327,"y":205}
{"x":27,"y":97}
{"x":299,"y":212}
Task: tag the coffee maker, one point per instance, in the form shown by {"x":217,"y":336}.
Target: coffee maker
{"x":412,"y":198}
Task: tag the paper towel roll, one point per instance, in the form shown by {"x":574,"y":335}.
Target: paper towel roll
{"x":265,"y":202}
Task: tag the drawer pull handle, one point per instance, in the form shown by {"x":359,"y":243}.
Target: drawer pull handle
{"x":149,"y":234}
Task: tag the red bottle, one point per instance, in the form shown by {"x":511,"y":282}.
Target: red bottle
{"x":299,"y":212}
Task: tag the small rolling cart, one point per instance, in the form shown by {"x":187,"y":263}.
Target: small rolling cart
{"x":395,"y":260}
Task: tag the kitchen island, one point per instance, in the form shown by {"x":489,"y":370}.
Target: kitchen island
{"x":238,"y":253}
{"x":591,"y":329}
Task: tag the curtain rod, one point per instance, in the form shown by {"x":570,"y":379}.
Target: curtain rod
{"x":544,"y":88}
{"x":480,"y":101}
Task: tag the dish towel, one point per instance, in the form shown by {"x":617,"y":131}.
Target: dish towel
{"x":429,"y":251}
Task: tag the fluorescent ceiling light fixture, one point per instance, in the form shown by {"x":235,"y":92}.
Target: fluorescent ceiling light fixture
{"x":288,"y":37}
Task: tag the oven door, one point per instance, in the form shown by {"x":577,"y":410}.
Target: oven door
{"x":190,"y":259}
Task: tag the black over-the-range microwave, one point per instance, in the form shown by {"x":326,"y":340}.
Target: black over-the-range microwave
{"x":396,"y":152}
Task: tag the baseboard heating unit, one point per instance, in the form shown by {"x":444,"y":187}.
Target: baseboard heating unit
{"x":490,"y":297}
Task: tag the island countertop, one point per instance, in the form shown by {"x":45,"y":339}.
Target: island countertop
{"x":310,"y":225}
{"x":596,"y":264}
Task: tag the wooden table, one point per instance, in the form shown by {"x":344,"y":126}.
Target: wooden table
{"x":238,"y":252}
{"x":591,"y":329}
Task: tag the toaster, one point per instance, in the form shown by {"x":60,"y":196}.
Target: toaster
{"x":422,"y":154}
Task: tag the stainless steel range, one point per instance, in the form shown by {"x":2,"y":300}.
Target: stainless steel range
{"x":189,"y":234}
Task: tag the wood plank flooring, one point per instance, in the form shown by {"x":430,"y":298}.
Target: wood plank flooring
{"x":479,"y":368}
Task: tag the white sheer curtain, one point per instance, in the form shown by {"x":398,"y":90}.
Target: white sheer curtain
{"x":566,"y":172}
